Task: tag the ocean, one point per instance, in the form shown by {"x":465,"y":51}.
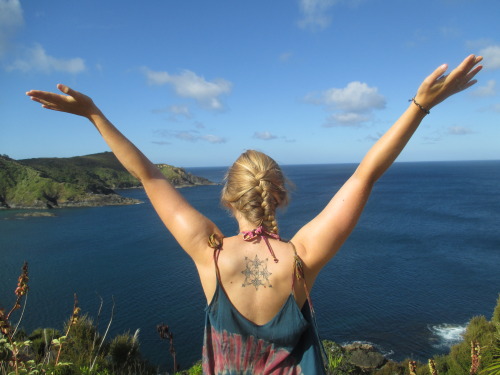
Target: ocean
{"x":422,"y":261}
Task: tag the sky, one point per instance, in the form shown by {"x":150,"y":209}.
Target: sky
{"x":197,"y":82}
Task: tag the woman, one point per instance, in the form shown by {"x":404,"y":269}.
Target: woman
{"x":257,"y":286}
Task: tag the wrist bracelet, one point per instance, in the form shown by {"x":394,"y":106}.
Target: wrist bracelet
{"x":420,"y":106}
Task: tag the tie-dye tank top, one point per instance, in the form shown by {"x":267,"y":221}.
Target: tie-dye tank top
{"x":233,"y":345}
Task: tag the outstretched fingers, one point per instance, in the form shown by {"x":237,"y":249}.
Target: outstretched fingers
{"x":47,"y":99}
{"x":68,"y":90}
{"x":469,"y":77}
{"x":463,"y":75}
{"x":437,"y":74}
{"x":439,"y":86}
{"x":69,"y":101}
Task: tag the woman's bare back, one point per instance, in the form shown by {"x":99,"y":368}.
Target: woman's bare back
{"x":256,"y":285}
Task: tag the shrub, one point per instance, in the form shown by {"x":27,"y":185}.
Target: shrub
{"x":124,"y":349}
{"x":41,"y":339}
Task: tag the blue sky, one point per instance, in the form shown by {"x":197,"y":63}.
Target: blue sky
{"x":196,"y":82}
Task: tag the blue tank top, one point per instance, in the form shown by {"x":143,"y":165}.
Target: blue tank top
{"x":287,"y":344}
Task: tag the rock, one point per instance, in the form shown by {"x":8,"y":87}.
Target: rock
{"x":364,"y":356}
{"x":36,"y":214}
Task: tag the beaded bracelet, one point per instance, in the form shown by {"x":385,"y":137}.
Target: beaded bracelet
{"x":420,"y":106}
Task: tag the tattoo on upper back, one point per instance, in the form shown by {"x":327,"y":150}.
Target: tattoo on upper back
{"x":256,"y":273}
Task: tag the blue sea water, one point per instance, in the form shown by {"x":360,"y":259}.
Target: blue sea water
{"x":422,"y":261}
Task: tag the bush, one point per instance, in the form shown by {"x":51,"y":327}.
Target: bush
{"x":41,"y":339}
{"x":495,"y":319}
{"x":124,"y":349}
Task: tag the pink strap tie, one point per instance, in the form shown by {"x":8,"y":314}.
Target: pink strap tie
{"x":262,"y":232}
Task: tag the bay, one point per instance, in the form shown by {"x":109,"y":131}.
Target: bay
{"x":422,"y":261}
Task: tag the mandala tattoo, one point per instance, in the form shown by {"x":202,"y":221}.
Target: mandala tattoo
{"x":256,"y":273}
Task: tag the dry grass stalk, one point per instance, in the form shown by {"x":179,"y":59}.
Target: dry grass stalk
{"x":412,"y":366}
{"x":73,"y":320}
{"x":432,"y":367}
{"x":5,"y":326}
{"x":165,"y":333}
{"x":475,"y":354}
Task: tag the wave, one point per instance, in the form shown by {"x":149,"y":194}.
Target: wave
{"x":446,"y":335}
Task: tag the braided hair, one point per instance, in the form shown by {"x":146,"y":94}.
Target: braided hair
{"x":255,"y":186}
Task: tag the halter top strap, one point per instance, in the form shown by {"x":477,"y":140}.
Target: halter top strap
{"x":262,"y":232}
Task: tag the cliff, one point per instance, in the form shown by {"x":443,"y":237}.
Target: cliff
{"x":80,"y":181}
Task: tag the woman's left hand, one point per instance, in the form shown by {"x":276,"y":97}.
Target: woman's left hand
{"x":438,"y":87}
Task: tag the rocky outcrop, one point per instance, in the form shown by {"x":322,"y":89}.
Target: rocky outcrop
{"x":364,"y":356}
{"x":97,"y":200}
{"x":356,"y":358}
{"x":180,"y":178}
{"x":88,"y":200}
{"x":36,"y":214}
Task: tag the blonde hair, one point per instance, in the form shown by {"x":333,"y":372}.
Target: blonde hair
{"x":255,"y":186}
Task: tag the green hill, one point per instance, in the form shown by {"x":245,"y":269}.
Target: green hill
{"x":74,"y":182}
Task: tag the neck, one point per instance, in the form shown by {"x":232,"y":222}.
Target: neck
{"x":243,"y":224}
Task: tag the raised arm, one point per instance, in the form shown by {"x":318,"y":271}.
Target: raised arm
{"x":190,"y":228}
{"x":320,"y":239}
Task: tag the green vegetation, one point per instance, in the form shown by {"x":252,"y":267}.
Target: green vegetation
{"x":478,"y":353}
{"x":82,"y":349}
{"x":79,"y":181}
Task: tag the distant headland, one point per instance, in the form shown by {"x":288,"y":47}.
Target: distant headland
{"x":81,"y":181}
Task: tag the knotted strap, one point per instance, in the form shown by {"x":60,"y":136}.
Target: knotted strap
{"x":215,"y":242}
{"x":262,"y":232}
{"x":298,"y":273}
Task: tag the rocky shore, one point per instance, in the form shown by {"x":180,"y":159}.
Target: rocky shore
{"x":90,"y":200}
{"x":356,"y":358}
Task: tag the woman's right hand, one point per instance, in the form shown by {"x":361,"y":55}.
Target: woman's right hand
{"x":73,"y":102}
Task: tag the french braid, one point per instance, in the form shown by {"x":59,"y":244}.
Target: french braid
{"x":255,"y":186}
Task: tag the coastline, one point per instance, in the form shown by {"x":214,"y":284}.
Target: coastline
{"x":81,"y":181}
{"x":98,"y":200}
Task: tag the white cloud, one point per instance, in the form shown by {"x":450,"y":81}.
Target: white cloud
{"x":350,"y":105}
{"x":487,"y":90}
{"x":374,"y":137}
{"x":194,"y":137}
{"x":491,"y":57}
{"x":189,"y":136}
{"x":11,"y":13}
{"x":265,"y":136}
{"x":11,"y":19}
{"x":175,"y":111}
{"x":315,"y":13}
{"x":356,"y":96}
{"x":36,"y":59}
{"x":180,"y":110}
{"x":459,"y":130}
{"x":478,"y":43}
{"x":345,"y":119}
{"x":189,"y":85}
{"x":213,"y":138}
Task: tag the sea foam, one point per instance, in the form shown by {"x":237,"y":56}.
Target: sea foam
{"x":446,"y":335}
